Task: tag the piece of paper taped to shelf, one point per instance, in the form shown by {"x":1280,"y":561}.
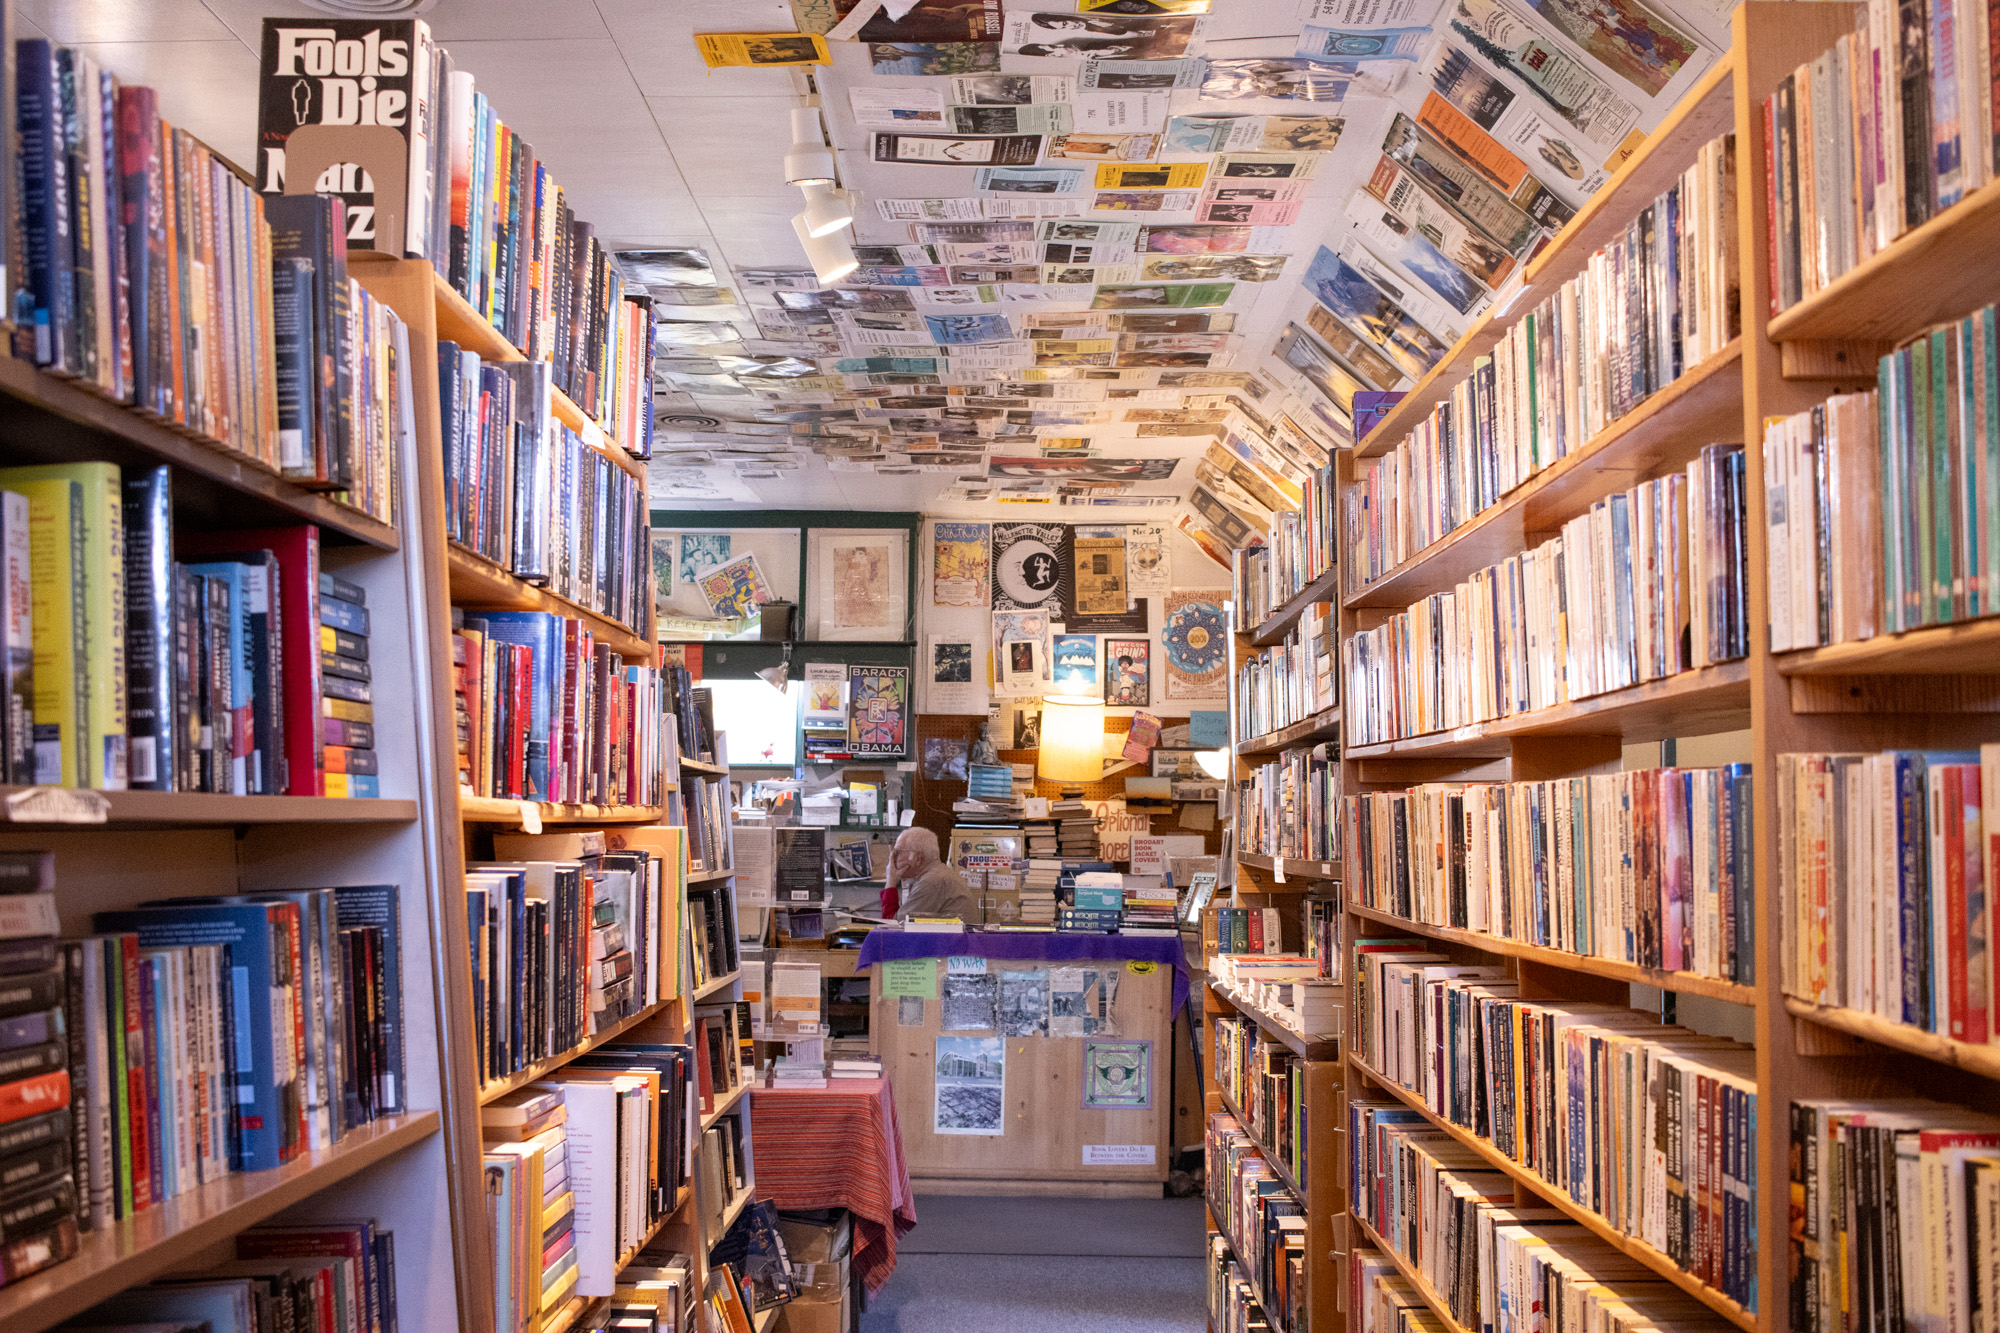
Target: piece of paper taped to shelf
{"x":531,"y":817}
{"x":1278,"y":868}
{"x":58,"y":805}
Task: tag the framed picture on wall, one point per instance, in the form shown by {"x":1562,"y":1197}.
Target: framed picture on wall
{"x":857,"y":584}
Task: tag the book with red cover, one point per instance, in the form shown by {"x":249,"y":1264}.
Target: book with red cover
{"x":297,"y":550}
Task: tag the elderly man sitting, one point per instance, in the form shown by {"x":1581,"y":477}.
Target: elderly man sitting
{"x":926,"y":885}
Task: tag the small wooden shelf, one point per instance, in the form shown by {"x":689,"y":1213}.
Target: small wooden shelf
{"x":493,"y":810}
{"x":1681,"y":983}
{"x":1706,"y":112}
{"x":1412,"y":1275}
{"x":1655,"y":1259}
{"x":175,"y":1233}
{"x":1306,"y":1048}
{"x":714,"y":986}
{"x":711,"y":876}
{"x":1690,"y":703}
{"x":1971,"y":647}
{"x":697,"y":766}
{"x":193,"y":809}
{"x":728,"y":1102}
{"x":479,"y":584}
{"x":1940,"y":270}
{"x":499,"y":1088}
{"x":1981,"y":1060}
{"x":1304,"y":870}
{"x":46,"y":419}
{"x":1664,"y":433}
{"x":459,"y":321}
{"x":1275,"y":626}
{"x":1321,"y":726}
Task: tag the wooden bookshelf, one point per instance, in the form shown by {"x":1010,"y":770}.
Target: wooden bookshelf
{"x":176,"y":1233}
{"x":68,"y":807}
{"x":698,"y":766}
{"x":1970,"y":647}
{"x":1321,"y":726}
{"x":1976,"y":1058}
{"x":1306,"y":1047}
{"x":47,"y":419}
{"x":715,"y":986}
{"x":711,"y":876}
{"x":1681,"y":983}
{"x":1652,"y":1258}
{"x":1293,"y":868}
{"x":729,"y":1101}
{"x":494,"y":810}
{"x":495,"y":1089}
{"x":1664,"y":433}
{"x":1412,"y":1275}
{"x":1274,"y":627}
{"x":477,"y":583}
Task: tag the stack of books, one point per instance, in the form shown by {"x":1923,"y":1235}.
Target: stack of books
{"x":1149,"y":906}
{"x":1096,"y":904}
{"x":46,"y":1149}
{"x":343,"y":640}
{"x":1076,"y":837}
{"x":1038,"y":891}
{"x":856,"y":1067}
{"x":655,"y":1295}
{"x":1041,"y":838}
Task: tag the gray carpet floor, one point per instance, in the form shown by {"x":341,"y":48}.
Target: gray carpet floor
{"x":978,"y":1265}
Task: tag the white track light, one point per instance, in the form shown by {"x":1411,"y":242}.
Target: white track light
{"x":809,"y":161}
{"x":831,"y":255}
{"x":827,"y":209}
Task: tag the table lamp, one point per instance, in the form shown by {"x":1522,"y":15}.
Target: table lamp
{"x":1072,"y":741}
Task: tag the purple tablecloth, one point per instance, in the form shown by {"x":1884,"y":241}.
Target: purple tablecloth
{"x":894,"y":945}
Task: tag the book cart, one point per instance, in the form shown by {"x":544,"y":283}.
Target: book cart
{"x":434,"y":313}
{"x":1929,"y":687}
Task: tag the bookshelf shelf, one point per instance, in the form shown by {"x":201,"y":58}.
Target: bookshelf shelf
{"x":1306,"y":1048}
{"x":1322,"y":726}
{"x":1690,"y":703}
{"x":1412,"y":1275}
{"x":711,"y":876}
{"x":1681,"y":983}
{"x":460,"y":322}
{"x":1275,"y":626}
{"x":730,"y":1214}
{"x":1632,"y":1246}
{"x":495,"y":1090}
{"x":1969,"y":646}
{"x":492,"y":810}
{"x":1667,"y":431}
{"x":728,"y":1102}
{"x":714,"y":986}
{"x":1706,"y":112}
{"x":698,"y":766}
{"x":175,"y":1233}
{"x":1931,"y":272}
{"x":46,"y":419}
{"x":477,"y":582}
{"x":1308,"y":870}
{"x":1981,"y":1060}
{"x":191,"y":809}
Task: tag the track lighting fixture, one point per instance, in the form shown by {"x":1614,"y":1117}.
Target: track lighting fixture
{"x":827,"y":209}
{"x":831,"y":256}
{"x":809,"y":161}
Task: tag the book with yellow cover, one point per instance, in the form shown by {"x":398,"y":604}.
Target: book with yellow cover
{"x":56,"y":562}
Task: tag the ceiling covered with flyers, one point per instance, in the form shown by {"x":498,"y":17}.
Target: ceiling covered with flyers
{"x":1142,"y":254}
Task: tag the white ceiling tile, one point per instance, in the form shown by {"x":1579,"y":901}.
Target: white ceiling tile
{"x":74,"y":21}
{"x":733,"y":146}
{"x":658,"y":41}
{"x":208,"y":89}
{"x":755,"y":231}
{"x":544,"y":86}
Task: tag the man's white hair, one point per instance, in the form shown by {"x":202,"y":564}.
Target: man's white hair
{"x":922,"y":840}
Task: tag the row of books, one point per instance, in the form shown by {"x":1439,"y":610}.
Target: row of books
{"x":1655,"y":303}
{"x":1290,"y":806}
{"x":474,"y":200}
{"x":712,"y":945}
{"x":693,"y":711}
{"x":156,"y":674}
{"x":1290,"y":681}
{"x":1886,"y":867}
{"x":1299,"y":548}
{"x":1232,"y":1297}
{"x":1889,"y":128}
{"x":1241,"y":930}
{"x":546,"y":713}
{"x":1264,"y":1221}
{"x":1652,"y":867}
{"x":1895,"y":1210}
{"x":189,"y":1039}
{"x":1492,"y":1257}
{"x":1287,"y":988}
{"x":339,"y":1276}
{"x":531,"y":495}
{"x":569,"y":936}
{"x":1645,"y":585}
{"x":1558,"y":1087}
{"x":1266,"y":1083}
{"x":347,"y":751}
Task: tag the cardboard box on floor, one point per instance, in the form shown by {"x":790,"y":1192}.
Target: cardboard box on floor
{"x":820,"y":1254}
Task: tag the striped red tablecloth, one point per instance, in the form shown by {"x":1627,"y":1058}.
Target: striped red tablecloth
{"x":838,"y":1147}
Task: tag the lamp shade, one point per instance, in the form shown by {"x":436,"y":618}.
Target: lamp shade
{"x":809,"y":161}
{"x":1072,"y":747}
{"x":831,"y":255}
{"x":827,"y":210}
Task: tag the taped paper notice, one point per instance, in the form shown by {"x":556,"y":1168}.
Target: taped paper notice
{"x":1117,"y":1154}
